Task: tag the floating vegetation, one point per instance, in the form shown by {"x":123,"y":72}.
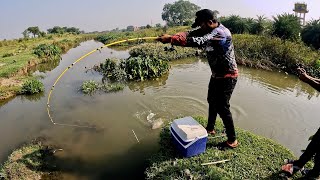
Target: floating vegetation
{"x":90,"y":87}
{"x":134,"y":68}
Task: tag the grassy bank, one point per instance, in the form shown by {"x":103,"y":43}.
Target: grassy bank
{"x":32,"y":161}
{"x":18,"y":56}
{"x":255,"y":158}
{"x":270,"y":53}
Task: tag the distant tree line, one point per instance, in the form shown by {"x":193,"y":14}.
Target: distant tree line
{"x":62,"y":30}
{"x":35,"y":31}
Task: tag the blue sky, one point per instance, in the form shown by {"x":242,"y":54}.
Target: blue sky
{"x":99,"y":15}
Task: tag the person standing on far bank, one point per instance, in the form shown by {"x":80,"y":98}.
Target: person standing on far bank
{"x":216,"y":40}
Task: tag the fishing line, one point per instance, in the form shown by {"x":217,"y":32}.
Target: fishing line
{"x":75,"y":62}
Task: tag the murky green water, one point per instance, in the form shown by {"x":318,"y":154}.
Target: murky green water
{"x":271,"y":104}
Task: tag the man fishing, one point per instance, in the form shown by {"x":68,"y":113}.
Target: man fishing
{"x":217,"y":42}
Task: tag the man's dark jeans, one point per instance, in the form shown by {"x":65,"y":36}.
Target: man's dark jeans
{"x":313,"y":149}
{"x":219,"y":94}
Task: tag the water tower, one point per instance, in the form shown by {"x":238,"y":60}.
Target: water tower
{"x":301,"y":10}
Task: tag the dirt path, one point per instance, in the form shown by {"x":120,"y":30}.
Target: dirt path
{"x":7,"y":83}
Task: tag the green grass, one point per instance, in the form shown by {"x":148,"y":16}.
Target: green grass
{"x":256,"y":158}
{"x":31,"y":161}
{"x":23,"y":51}
{"x":16,"y":56}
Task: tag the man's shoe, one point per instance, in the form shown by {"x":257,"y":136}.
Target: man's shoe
{"x":213,"y":132}
{"x":233,"y":144}
{"x":290,"y":169}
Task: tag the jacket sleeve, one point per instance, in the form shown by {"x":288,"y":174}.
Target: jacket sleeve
{"x":193,"y":38}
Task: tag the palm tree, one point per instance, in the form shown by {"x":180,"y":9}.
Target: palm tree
{"x":286,"y":26}
{"x":310,"y":34}
{"x":260,"y":25}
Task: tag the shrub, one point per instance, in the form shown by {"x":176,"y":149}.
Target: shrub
{"x":107,"y":38}
{"x":273,"y":52}
{"x":32,"y":87}
{"x":47,"y":51}
{"x":65,"y":44}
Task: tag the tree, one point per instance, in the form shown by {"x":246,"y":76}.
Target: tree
{"x":286,"y":26}
{"x":260,"y":25}
{"x":158,"y":25}
{"x":25,"y":34}
{"x":42,"y":34}
{"x":148,"y":26}
{"x":179,"y":13}
{"x":34,"y":30}
{"x":62,"y":30}
{"x":56,"y":30}
{"x":236,"y":24}
{"x":310,"y":34}
{"x":250,"y":25}
{"x":73,"y":30}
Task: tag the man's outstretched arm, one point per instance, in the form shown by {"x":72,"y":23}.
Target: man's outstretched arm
{"x":313,"y":82}
{"x":195,"y":38}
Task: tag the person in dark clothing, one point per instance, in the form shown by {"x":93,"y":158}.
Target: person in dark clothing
{"x":216,"y":40}
{"x":313,"y":149}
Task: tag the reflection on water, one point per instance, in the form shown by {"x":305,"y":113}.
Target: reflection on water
{"x":154,"y":83}
{"x":44,"y":67}
{"x":271,"y":104}
{"x":280,"y":83}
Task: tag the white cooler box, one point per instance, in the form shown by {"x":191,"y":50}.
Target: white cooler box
{"x":189,"y":137}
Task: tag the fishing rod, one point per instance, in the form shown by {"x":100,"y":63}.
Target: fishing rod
{"x":75,"y":62}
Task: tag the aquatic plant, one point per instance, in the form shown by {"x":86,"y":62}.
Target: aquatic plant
{"x":32,"y":87}
{"x":112,"y":87}
{"x":89,"y":87}
{"x":141,"y":68}
{"x":111,"y":70}
{"x":133,"y":68}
